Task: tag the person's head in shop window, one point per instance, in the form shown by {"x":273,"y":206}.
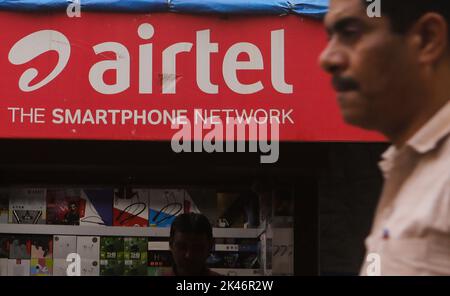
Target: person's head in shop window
{"x":390,"y":68}
{"x":191,"y":243}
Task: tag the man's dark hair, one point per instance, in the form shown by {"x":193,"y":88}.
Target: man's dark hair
{"x":404,"y":13}
{"x":191,"y":223}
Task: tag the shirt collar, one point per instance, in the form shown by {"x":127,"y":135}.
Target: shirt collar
{"x":387,"y":161}
{"x":425,"y":140}
{"x":430,"y":135}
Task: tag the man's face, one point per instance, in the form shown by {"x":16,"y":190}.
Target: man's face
{"x":190,"y":251}
{"x":372,"y":68}
{"x":73,"y":207}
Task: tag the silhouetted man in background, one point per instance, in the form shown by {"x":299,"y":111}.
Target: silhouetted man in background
{"x":191,"y":243}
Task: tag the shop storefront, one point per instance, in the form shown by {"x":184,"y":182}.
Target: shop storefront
{"x":115,"y":118}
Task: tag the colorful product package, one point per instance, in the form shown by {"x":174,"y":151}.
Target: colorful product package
{"x":3,"y":266}
{"x":97,"y":207}
{"x":20,"y":247}
{"x":165,"y":205}
{"x":41,"y":247}
{"x":130,"y":207}
{"x":88,"y":247}
{"x":135,"y":248}
{"x":27,"y":206}
{"x":18,"y":267}
{"x":63,"y":246}
{"x":41,"y":267}
{"x":111,"y":256}
{"x":63,"y":206}
{"x":135,"y":267}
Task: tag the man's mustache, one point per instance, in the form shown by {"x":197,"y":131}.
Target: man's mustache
{"x":344,"y":84}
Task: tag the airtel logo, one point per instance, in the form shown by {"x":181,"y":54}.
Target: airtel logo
{"x":38,"y":43}
{"x":33,"y":46}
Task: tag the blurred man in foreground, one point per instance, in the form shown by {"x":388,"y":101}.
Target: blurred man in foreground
{"x":392,"y":74}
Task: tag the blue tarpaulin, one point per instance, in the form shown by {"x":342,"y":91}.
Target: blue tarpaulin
{"x":315,"y":8}
{"x":309,"y":7}
{"x":231,"y":6}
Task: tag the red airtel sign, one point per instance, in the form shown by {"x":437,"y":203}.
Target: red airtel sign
{"x":129,"y":76}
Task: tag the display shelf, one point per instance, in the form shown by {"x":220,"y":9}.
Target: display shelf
{"x":118,"y":231}
{"x":164,"y":246}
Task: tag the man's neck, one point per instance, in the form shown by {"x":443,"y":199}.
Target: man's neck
{"x":429,"y":109}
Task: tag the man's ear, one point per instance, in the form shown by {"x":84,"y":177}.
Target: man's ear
{"x":430,"y":35}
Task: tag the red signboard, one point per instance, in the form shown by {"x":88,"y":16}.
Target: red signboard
{"x":129,"y":76}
